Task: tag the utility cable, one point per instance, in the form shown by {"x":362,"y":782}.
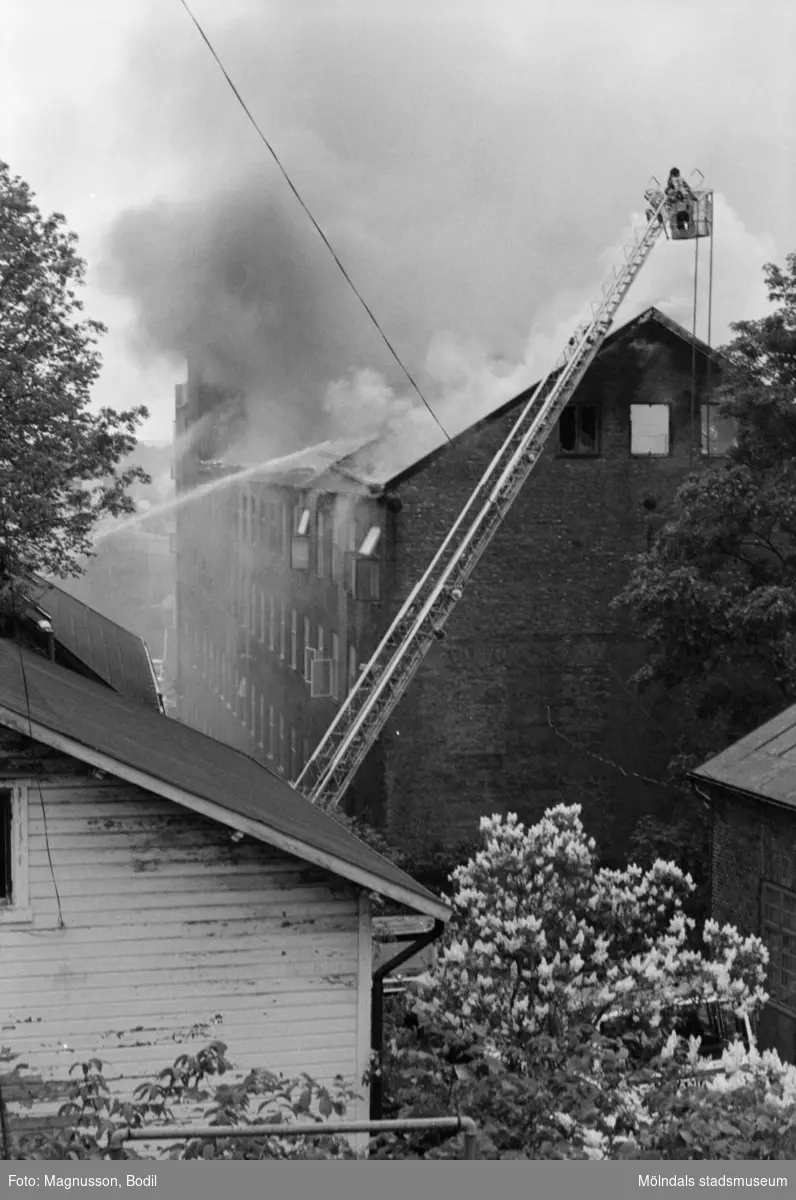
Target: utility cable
{"x":315,"y":224}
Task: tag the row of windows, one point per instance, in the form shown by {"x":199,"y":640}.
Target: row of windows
{"x":579,"y":430}
{"x":293,"y":533}
{"x":267,"y":621}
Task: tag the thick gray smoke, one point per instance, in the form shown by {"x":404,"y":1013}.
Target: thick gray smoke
{"x":470,"y":203}
{"x":229,"y":283}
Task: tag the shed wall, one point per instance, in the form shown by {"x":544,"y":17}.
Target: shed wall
{"x":172,"y":936}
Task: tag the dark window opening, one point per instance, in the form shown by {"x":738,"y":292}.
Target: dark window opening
{"x":579,"y":430}
{"x":718,"y":431}
{"x":5,"y":847}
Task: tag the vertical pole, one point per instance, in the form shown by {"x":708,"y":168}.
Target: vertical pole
{"x":693,"y":348}
{"x":710,"y":323}
{"x":470,"y":1144}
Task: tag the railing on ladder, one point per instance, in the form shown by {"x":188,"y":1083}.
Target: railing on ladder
{"x":423,"y":614}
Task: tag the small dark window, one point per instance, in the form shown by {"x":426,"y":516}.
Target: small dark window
{"x":579,"y":430}
{"x":5,"y":847}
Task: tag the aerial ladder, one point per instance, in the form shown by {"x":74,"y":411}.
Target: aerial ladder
{"x":424,"y":613}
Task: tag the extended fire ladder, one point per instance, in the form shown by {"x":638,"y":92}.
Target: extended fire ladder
{"x":423,"y":614}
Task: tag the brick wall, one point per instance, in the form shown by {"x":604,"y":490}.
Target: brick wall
{"x":535,"y":631}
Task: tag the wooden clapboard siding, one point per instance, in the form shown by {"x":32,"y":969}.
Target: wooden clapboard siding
{"x":173,"y":936}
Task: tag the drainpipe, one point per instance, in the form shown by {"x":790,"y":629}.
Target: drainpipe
{"x":377,"y":1008}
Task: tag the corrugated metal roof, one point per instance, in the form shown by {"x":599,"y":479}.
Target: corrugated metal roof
{"x":762,"y":764}
{"x":166,"y":751}
{"x":114,"y":654}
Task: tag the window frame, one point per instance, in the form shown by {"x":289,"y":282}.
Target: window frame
{"x":15,"y":909}
{"x":705,"y":407}
{"x":669,"y":439}
{"x":335,"y":656}
{"x":294,"y":639}
{"x":271,"y":748}
{"x":578,"y":452}
{"x":293,"y":752}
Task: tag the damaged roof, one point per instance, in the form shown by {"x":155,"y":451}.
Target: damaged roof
{"x":371,"y":464}
{"x":115,"y":655}
{"x":381,"y":463}
{"x":761,"y":765}
{"x":82,"y":718}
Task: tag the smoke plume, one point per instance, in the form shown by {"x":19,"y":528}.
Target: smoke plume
{"x":467,"y":202}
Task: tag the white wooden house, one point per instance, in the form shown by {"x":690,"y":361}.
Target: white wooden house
{"x":161,"y":890}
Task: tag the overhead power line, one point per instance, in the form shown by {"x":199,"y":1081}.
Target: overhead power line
{"x":317,"y":227}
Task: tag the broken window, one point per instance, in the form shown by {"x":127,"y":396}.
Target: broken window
{"x":578,"y":430}
{"x":779,"y":934}
{"x":300,"y":547}
{"x":649,"y":429}
{"x":6,"y":889}
{"x":718,"y":432}
{"x":371,"y":541}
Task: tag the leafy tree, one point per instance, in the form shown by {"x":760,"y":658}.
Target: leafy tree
{"x":715,"y":596}
{"x":58,"y":460}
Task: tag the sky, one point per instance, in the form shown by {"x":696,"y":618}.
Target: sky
{"x":476,"y":167}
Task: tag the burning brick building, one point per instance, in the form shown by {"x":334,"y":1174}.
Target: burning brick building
{"x":285,"y":585}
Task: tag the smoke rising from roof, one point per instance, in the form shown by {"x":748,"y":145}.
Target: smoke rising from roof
{"x":467,"y":202}
{"x":226,"y":282}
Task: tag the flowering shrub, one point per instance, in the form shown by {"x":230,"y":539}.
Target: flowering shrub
{"x":541,"y":933}
{"x":551,"y":1016}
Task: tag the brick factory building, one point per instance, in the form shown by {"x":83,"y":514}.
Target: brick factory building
{"x":529,"y":684}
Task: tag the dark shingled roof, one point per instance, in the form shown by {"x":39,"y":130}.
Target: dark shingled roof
{"x":90,"y":715}
{"x":111,"y":652}
{"x":762,"y":765}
